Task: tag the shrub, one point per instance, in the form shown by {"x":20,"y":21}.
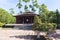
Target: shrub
{"x":1,"y":24}
{"x":37,"y":23}
{"x":51,"y":27}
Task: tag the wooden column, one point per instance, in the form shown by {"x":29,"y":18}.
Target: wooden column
{"x":31,"y":19}
{"x":23,"y":20}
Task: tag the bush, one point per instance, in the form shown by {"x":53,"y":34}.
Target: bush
{"x":37,"y":23}
{"x":48,"y":27}
{"x":39,"y":26}
{"x":1,"y":24}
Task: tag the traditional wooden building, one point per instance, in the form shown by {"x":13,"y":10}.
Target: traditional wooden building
{"x":25,"y":18}
{"x":23,"y":21}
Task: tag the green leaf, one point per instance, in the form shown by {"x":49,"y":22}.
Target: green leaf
{"x":26,"y":1}
{"x":30,"y":6}
{"x":26,"y":8}
{"x":19,"y":5}
{"x":36,"y":5}
{"x":33,"y":10}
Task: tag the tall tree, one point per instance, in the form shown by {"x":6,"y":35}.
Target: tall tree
{"x":51,"y":17}
{"x":57,"y":16}
{"x":43,"y":11}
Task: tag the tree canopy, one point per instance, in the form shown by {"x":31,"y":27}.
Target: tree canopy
{"x":28,"y":7}
{"x":5,"y":17}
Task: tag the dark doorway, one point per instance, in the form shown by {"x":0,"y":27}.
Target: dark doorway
{"x":27,"y":20}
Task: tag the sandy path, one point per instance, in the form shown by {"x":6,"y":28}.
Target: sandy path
{"x":13,"y":34}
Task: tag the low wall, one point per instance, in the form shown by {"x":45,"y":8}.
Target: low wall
{"x":19,"y":26}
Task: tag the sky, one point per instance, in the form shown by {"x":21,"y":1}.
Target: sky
{"x":51,"y":4}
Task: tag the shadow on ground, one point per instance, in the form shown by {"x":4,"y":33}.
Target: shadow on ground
{"x":34,"y":37}
{"x":56,"y":36}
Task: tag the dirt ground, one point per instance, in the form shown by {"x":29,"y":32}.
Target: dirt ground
{"x":13,"y":34}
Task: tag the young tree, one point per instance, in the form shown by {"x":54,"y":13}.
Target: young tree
{"x":37,"y":25}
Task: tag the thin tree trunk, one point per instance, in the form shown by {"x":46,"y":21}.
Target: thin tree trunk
{"x":38,"y":34}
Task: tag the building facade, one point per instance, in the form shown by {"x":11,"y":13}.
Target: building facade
{"x":25,"y":18}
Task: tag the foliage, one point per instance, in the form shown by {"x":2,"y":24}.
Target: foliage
{"x":11,"y":19}
{"x":31,"y":7}
{"x":26,"y":1}
{"x":45,"y":14}
{"x":47,"y":27}
{"x":49,"y":16}
{"x":46,"y":17}
{"x":57,"y":16}
{"x":45,"y":21}
{"x":5,"y":17}
{"x":37,"y":23}
{"x":43,"y":8}
{"x":1,"y":24}
{"x":39,"y":26}
{"x":43,"y":26}
{"x":26,"y":8}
